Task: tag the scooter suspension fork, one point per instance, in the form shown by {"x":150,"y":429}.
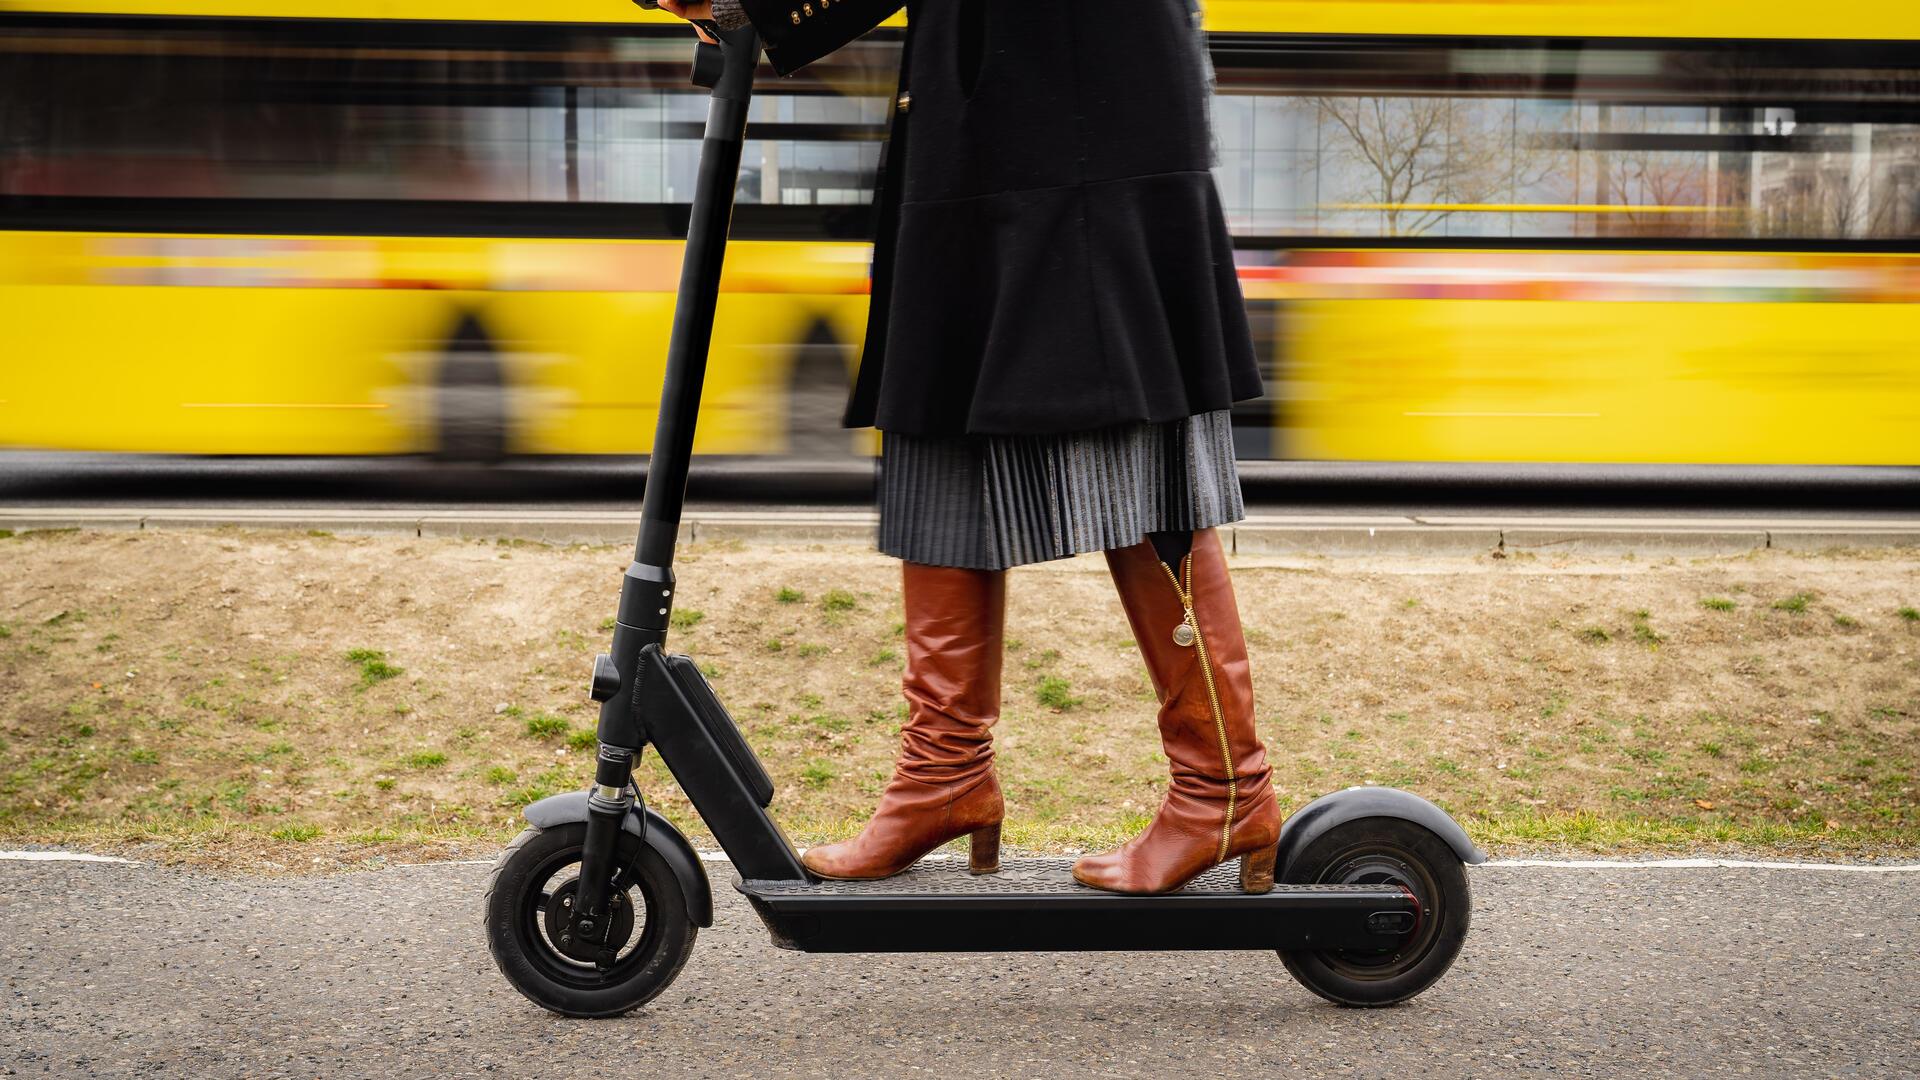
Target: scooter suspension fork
{"x":646,"y":601}
{"x":602,"y":881}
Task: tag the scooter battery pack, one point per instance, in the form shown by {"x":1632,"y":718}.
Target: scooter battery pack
{"x":719,"y":726}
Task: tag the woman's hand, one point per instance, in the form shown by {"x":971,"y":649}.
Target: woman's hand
{"x":691,"y":10}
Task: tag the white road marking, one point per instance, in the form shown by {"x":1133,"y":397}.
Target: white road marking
{"x":59,"y":856}
{"x":1543,"y":864}
{"x":1703,"y":864}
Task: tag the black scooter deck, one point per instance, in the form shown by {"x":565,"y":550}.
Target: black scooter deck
{"x":1034,"y":904}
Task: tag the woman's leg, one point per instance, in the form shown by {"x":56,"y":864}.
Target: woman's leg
{"x":943,"y":785}
{"x":1171,"y":546}
{"x":1220,"y":802}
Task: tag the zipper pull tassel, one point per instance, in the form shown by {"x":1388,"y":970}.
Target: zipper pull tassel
{"x":1188,"y":631}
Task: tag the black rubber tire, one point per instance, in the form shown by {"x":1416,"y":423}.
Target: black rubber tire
{"x":1352,"y":853}
{"x":549,"y":979}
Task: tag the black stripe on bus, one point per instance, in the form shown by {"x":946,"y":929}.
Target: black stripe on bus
{"x":403,"y":217}
{"x":751,"y":221}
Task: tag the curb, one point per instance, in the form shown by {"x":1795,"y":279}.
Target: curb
{"x":1257,"y":535}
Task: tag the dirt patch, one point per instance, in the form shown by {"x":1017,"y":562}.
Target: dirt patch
{"x":289,"y":698}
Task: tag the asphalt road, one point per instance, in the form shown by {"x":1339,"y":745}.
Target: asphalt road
{"x":139,"y":971}
{"x":105,"y":480}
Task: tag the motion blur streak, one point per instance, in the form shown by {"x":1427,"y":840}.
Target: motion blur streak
{"x":1508,"y":230}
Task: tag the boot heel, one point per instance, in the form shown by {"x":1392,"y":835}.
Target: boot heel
{"x":1256,"y":869}
{"x":984,"y":855}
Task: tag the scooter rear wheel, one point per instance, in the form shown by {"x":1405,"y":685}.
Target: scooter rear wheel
{"x":1384,"y":851}
{"x":536,"y":876}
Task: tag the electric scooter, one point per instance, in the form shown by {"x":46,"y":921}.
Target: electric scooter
{"x":593,"y":909}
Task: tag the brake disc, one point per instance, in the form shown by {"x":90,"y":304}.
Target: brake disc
{"x":560,"y":910}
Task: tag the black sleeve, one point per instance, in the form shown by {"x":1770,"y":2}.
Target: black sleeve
{"x":798,"y":32}
{"x":729,"y":14}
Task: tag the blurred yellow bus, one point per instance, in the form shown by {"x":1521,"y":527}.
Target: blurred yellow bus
{"x":1507,"y":230}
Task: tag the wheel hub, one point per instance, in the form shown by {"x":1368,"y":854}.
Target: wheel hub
{"x":1375,"y":868}
{"x":1384,"y":868}
{"x":560,"y":913}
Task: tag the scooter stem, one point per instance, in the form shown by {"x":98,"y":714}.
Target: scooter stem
{"x":646,"y":593}
{"x":693,"y":312}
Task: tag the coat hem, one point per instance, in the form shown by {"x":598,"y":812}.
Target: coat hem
{"x":1059,"y":309}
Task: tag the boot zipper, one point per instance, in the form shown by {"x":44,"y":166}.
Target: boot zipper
{"x":1213,"y":698}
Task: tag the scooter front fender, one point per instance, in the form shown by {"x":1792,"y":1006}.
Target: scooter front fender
{"x":658,"y":833}
{"x":1313,"y":820}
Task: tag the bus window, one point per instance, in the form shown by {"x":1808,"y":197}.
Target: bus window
{"x":1783,"y":141}
{"x":350,"y":127}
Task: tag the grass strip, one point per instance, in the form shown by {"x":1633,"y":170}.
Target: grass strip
{"x":273,"y":698}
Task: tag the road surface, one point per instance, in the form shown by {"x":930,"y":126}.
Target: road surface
{"x":34,"y":478}
{"x":133,"y":970}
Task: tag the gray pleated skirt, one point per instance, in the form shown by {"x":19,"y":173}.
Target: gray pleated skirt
{"x":988,"y":502}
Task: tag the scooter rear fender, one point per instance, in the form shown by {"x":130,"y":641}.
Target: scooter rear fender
{"x":658,"y":833}
{"x":1313,"y":820}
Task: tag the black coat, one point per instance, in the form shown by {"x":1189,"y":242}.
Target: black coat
{"x":1051,"y":252}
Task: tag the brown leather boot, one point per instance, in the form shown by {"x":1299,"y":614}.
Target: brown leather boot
{"x":1220,"y":802}
{"x":943,"y":785}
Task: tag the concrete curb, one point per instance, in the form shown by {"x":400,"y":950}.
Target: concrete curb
{"x":1636,"y":541}
{"x":1258,"y":535}
{"x":1399,"y":539}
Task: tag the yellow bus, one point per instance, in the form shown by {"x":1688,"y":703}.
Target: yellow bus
{"x":1506,"y":230}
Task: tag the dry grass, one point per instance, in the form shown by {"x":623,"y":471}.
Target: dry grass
{"x":286,"y":699}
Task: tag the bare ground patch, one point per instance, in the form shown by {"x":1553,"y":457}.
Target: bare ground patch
{"x":286,"y":699}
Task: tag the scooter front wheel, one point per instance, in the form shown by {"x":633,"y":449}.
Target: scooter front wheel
{"x":533,"y":885}
{"x":1384,"y":851}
